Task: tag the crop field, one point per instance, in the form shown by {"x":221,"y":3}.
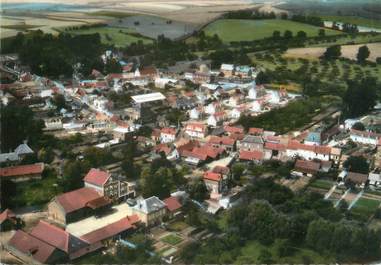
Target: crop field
{"x":248,"y":30}
{"x":152,"y":26}
{"x":348,"y":51}
{"x":119,"y":37}
{"x":322,"y":184}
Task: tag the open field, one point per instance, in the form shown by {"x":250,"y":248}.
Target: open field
{"x":248,"y":30}
{"x":172,"y":239}
{"x":120,"y":37}
{"x":348,"y":51}
{"x":359,"y":21}
{"x":11,"y":25}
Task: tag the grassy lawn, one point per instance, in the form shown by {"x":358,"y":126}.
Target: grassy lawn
{"x":172,"y":239}
{"x":35,"y":192}
{"x":248,"y":30}
{"x":178,"y":226}
{"x":120,"y":37}
{"x":359,"y":21}
{"x":322,"y":184}
{"x":251,"y":251}
{"x":365,"y":207}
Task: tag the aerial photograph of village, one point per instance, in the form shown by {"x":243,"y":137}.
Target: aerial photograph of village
{"x":190,"y":132}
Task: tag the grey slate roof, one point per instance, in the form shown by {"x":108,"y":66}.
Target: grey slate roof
{"x":252,"y":139}
{"x":23,"y":149}
{"x":149,"y":205}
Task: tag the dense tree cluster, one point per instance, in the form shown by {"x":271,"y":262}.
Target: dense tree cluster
{"x":18,"y":124}
{"x":50,"y":55}
{"x":312,"y":20}
{"x":249,"y":14}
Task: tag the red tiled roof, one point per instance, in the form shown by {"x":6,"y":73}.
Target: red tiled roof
{"x":199,"y":127}
{"x":212,"y":176}
{"x":307,"y":166}
{"x":319,"y":149}
{"x":357,"y":178}
{"x":172,"y":203}
{"x":221,"y":140}
{"x":5,"y":215}
{"x":232,"y":129}
{"x":275,"y":146}
{"x":149,"y":70}
{"x":28,"y":244}
{"x":111,"y":229}
{"x":162,"y":148}
{"x":77,"y":199}
{"x":22,"y":170}
{"x":221,"y":170}
{"x":98,"y":202}
{"x":237,"y":136}
{"x":255,"y":131}
{"x":250,"y":155}
{"x":169,"y":130}
{"x":52,"y":235}
{"x":97,"y":177}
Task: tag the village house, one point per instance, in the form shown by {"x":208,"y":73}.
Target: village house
{"x":168,"y":135}
{"x":357,"y":179}
{"x":108,"y":186}
{"x":222,"y":142}
{"x":227,"y":70}
{"x":243,"y":71}
{"x":375,"y":179}
{"x":215,"y":183}
{"x":305,"y":168}
{"x":216,"y":119}
{"x":308,"y":152}
{"x":113,"y":231}
{"x":149,"y":72}
{"x":255,"y":156}
{"x":196,"y":130}
{"x":173,"y":206}
{"x":150,"y":211}
{"x":365,"y":137}
{"x":251,"y":143}
{"x":75,"y":205}
{"x":20,"y":152}
{"x":22,"y":172}
{"x":203,"y":154}
{"x":52,"y":124}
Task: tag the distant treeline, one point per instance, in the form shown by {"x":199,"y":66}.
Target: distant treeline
{"x":249,"y":14}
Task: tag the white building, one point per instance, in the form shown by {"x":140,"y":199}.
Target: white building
{"x":196,"y":130}
{"x":365,"y":137}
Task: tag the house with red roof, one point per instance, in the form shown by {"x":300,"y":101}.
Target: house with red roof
{"x":306,"y":168}
{"x":232,"y":129}
{"x":106,"y":185}
{"x":75,"y":205}
{"x":254,"y":156}
{"x":308,"y":152}
{"x":55,"y":236}
{"x":22,"y":172}
{"x":215,"y":183}
{"x":202,"y":154}
{"x":222,"y":142}
{"x":112,"y":231}
{"x":196,"y":130}
{"x":168,"y":135}
{"x":32,"y":250}
{"x":256,"y":131}
{"x":173,"y":206}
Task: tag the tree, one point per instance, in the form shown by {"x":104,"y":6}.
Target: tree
{"x":238,"y":170}
{"x":362,"y":54}
{"x":319,"y":235}
{"x":113,"y":66}
{"x":288,"y":34}
{"x":156,"y":184}
{"x":357,"y":164}
{"x":360,"y":97}
{"x":332,"y":52}
{"x":358,"y":126}
{"x":18,"y":124}
{"x":321,"y":33}
{"x":265,"y":257}
{"x":59,"y":101}
{"x":73,"y":174}
{"x":197,"y":190}
{"x":276,"y":34}
{"x":301,"y":34}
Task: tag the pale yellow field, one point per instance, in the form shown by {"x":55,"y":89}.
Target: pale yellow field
{"x":347,"y":51}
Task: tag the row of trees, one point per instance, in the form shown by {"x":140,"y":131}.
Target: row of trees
{"x":334,"y":52}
